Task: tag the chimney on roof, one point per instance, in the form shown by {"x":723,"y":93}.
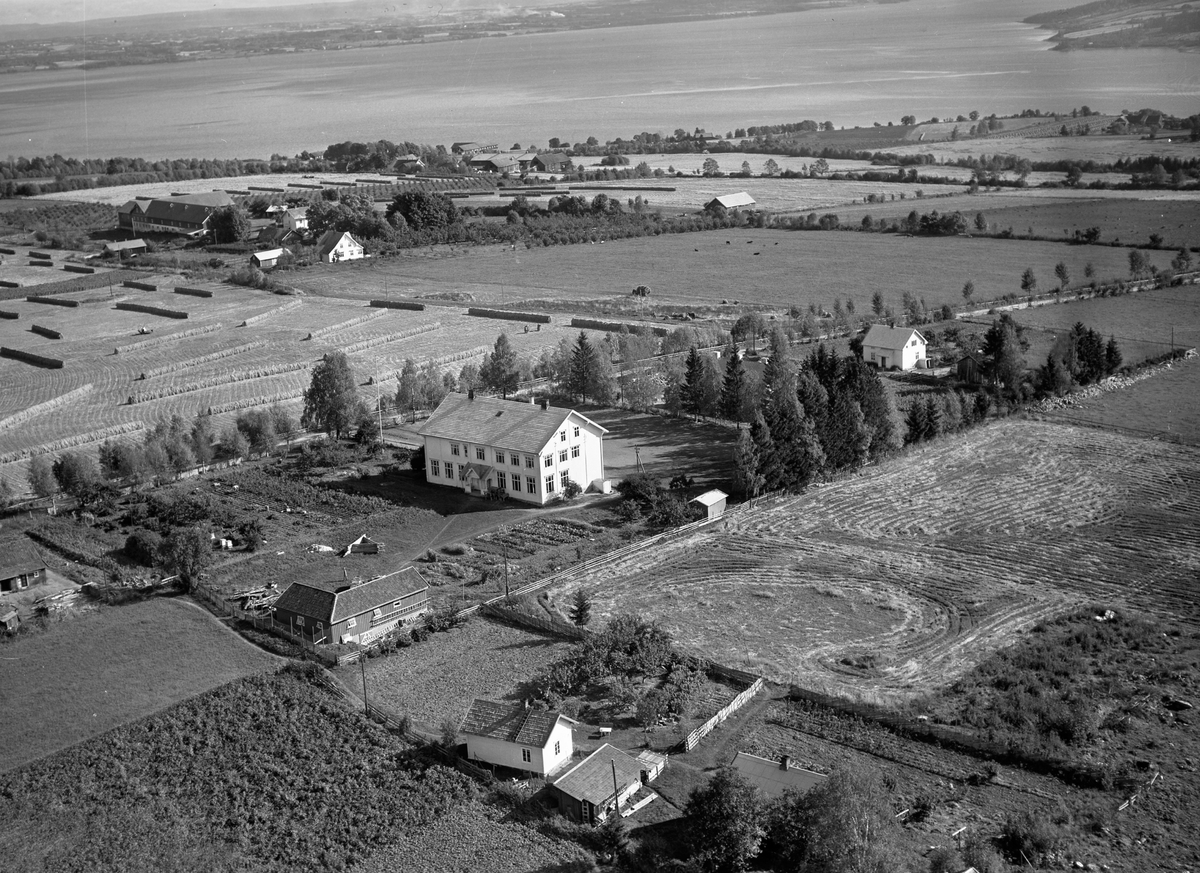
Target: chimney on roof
{"x":470,"y":393}
{"x":785,"y":762}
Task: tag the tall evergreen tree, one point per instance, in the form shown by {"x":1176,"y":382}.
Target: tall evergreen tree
{"x":862,"y":382}
{"x":766,"y":455}
{"x":797,"y":446}
{"x":915,"y":423}
{"x":816,"y":402}
{"x":779,"y":373}
{"x":693,"y":383}
{"x":733,"y":390}
{"x":1112,"y":356}
{"x":584,"y":366}
{"x":933,"y":417}
{"x":499,"y":371}
{"x":849,"y":442}
{"x":746,"y":476}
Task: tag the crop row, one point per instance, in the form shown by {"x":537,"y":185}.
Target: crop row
{"x":6,"y":313}
{"x":193,"y":292}
{"x":31,"y":358}
{"x":613,"y":326}
{"x":391,"y":337}
{"x":151,"y":310}
{"x":47,"y":332}
{"x":509,"y":315}
{"x":215,"y":381}
{"x":37,"y":298}
{"x":45,"y":406}
{"x":79,"y":283}
{"x":203,"y":359}
{"x":81,"y":439}
{"x":345,"y":325}
{"x":171,"y":337}
{"x":141,"y":286}
{"x":259,"y":400}
{"x":254,"y":319}
{"x":399,"y":304}
{"x":476,"y":352}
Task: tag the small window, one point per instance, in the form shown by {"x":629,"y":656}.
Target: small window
{"x":548,"y":461}
{"x":515,"y":460}
{"x":562,"y":456}
{"x":530,"y":485}
{"x":529,"y":460}
{"x":549,"y":484}
{"x":563,"y":478}
{"x":562,"y":436}
{"x":574,"y":451}
{"x":454,"y":448}
{"x":526,"y":755}
{"x":351,"y":622}
{"x":396,"y":605}
{"x":320,"y":625}
{"x":499,"y":457}
{"x":516,"y":482}
{"x":377,"y":612}
{"x":577,"y":432}
{"x":480,"y":454}
{"x":557,"y":747}
{"x":449,"y":470}
{"x":501,"y":481}
{"x":435,"y":468}
{"x":300,"y":621}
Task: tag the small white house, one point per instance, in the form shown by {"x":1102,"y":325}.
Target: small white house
{"x":517,"y":736}
{"x":335,"y":246}
{"x":295,"y":218}
{"x":522,"y":451}
{"x":267,"y":259}
{"x":713,"y":502}
{"x":893,"y":348}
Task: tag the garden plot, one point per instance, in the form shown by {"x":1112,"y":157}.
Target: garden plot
{"x":899,"y":580}
{"x":438,"y":679}
{"x":532,"y":537}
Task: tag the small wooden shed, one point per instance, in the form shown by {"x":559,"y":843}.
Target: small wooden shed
{"x":713,"y":502}
{"x":967,"y":369}
{"x":267,"y":259}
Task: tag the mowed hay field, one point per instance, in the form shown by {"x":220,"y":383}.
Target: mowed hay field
{"x":85,"y":676}
{"x":756,"y":267}
{"x":895,"y":582}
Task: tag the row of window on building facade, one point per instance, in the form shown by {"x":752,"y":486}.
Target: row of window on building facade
{"x":502,"y":479}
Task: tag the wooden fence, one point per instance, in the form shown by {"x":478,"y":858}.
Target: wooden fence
{"x":693,"y":739}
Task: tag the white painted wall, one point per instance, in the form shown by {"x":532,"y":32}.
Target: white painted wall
{"x":506,"y":754}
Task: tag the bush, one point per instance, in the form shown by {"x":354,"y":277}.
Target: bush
{"x":1028,"y":836}
{"x":143,"y":546}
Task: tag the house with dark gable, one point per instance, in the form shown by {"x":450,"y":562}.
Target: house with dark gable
{"x":352,"y":611}
{"x":20,"y":567}
{"x":518,"y":736}
{"x":187,"y":214}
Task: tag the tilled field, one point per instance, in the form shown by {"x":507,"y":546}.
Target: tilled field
{"x":894,"y":582}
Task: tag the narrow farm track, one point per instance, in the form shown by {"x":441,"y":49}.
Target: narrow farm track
{"x":896,"y":581}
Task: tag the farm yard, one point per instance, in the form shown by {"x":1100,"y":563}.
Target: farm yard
{"x":897,"y":581}
{"x":83,"y":677}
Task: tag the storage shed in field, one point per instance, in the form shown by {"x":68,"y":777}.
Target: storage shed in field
{"x":713,"y":502}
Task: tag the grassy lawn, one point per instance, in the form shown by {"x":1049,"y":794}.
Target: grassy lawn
{"x":666,"y":446}
{"x":437,"y":679}
{"x":84,"y":676}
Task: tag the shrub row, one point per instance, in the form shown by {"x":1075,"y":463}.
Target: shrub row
{"x":391,"y":337}
{"x":159,"y":340}
{"x":47,"y":332}
{"x":5,"y":283}
{"x":193,"y":292}
{"x":4,"y":313}
{"x":45,"y":406}
{"x":141,"y":286}
{"x":78,"y":268}
{"x":613,"y":326}
{"x":8,"y":251}
{"x":509,"y":315}
{"x":41,"y":264}
{"x":31,"y":358}
{"x":37,"y":298}
{"x":214,"y":381}
{"x":43,"y":255}
{"x":344,"y":325}
{"x":203,"y":359}
{"x":254,"y":319}
{"x":82,"y":439}
{"x":260,"y":188}
{"x":151,"y":310}
{"x":76,"y":283}
{"x":399,"y":304}
{"x":260,"y":400}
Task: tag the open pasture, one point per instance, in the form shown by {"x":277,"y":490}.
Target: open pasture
{"x":119,"y":194}
{"x":85,"y":676}
{"x":1130,"y":221}
{"x":437,"y":679}
{"x":898,"y":580}
{"x":1106,"y":149}
{"x":769,"y":269}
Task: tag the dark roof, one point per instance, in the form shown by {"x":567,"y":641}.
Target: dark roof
{"x":890,"y":337}
{"x":511,"y":722}
{"x":552,"y":159}
{"x":132,"y":206}
{"x":330,"y":239}
{"x":592,"y":778}
{"x":205,"y":198}
{"x":772,"y":778}
{"x":325,"y":603}
{"x":504,"y":423}
{"x":18,"y":559}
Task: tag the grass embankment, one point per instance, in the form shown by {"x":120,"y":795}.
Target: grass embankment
{"x":82,"y":677}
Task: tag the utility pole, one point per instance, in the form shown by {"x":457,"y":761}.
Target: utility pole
{"x":506,"y":593}
{"x":362,"y":662}
{"x":637,"y":451}
{"x":616,"y":791}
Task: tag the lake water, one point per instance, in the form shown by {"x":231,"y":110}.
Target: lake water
{"x":849,"y":65}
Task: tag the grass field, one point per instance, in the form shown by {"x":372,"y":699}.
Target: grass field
{"x":1107,"y":149}
{"x":902,"y":578}
{"x":438,"y":679}
{"x":1129,"y":221}
{"x":85,"y":676}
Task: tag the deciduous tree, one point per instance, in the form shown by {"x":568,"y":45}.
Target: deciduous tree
{"x":724,"y":823}
{"x":186,"y":553}
{"x":499,"y":371}
{"x":331,"y":400}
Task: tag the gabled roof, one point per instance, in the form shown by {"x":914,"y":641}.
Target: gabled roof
{"x":729,"y":201}
{"x":132,"y":206}
{"x":504,"y":423}
{"x":204,"y":198}
{"x":268,"y":255}
{"x":511,"y":722}
{"x":298,"y":212}
{"x":890,"y":337}
{"x":772,"y":778}
{"x":708,"y":498}
{"x":552,"y":159}
{"x":19,"y":559}
{"x":331,"y":238}
{"x":592,"y":778}
{"x":178,"y":210}
{"x":325,"y":603}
